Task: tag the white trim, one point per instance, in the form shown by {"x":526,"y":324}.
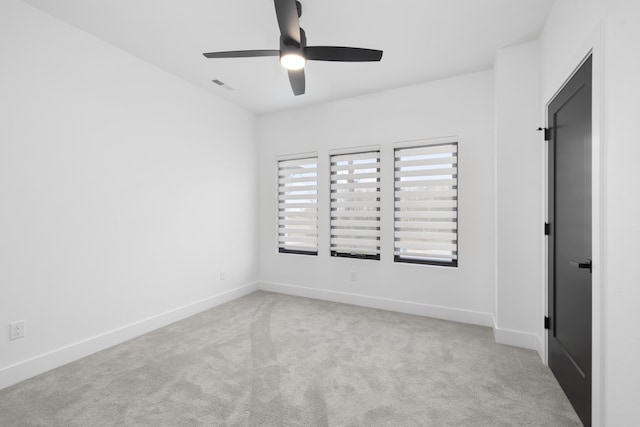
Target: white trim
{"x":541,"y":348}
{"x":308,"y":155}
{"x":598,"y":228}
{"x":354,"y":150}
{"x":44,"y":362}
{"x":544,"y":195}
{"x":424,"y":142}
{"x":438,"y":312}
{"x":516,"y":338}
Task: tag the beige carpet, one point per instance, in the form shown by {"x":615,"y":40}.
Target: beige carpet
{"x":276,"y":360}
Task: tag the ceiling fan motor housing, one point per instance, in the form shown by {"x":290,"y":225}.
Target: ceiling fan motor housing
{"x":291,"y":47}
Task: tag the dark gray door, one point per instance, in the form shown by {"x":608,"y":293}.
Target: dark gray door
{"x":569,"y":118}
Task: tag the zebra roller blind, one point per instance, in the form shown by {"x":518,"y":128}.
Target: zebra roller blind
{"x":355,"y":205}
{"x":426,"y":204}
{"x":298,"y":206}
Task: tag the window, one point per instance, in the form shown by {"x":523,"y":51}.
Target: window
{"x":355,"y":205}
{"x":298,"y":206}
{"x":426,"y":204}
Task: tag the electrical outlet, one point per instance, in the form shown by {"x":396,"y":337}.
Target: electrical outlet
{"x":223,"y":275}
{"x":354,"y":276}
{"x":16,"y":330}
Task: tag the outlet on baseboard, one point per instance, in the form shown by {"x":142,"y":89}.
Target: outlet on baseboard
{"x":16,"y":330}
{"x":223,"y":275}
{"x":354,"y":276}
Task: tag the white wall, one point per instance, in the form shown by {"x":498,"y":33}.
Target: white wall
{"x":621,"y":245}
{"x":567,"y":34}
{"x":461,"y":106}
{"x":116,"y":213}
{"x":519,"y":189}
{"x":612,"y":29}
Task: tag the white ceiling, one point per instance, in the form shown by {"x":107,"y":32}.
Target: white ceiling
{"x":422,"y":40}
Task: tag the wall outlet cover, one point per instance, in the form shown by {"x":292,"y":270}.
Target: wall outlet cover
{"x":16,"y":330}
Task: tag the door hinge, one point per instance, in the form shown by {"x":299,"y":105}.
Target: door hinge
{"x":547,"y":133}
{"x":547,"y":323}
{"x":547,"y":229}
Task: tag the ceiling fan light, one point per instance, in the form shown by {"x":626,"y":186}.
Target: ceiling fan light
{"x":292,"y":61}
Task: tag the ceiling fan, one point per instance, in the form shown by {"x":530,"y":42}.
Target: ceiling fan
{"x":294,"y":52}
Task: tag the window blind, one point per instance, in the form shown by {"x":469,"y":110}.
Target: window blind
{"x":426,"y":204}
{"x":355,"y":205}
{"x":298,"y":206}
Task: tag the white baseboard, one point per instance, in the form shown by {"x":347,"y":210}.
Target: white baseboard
{"x":438,"y":312}
{"x":42,"y":363}
{"x":517,"y":339}
{"x":541,"y":348}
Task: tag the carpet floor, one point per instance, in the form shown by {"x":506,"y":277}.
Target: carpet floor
{"x":276,"y":360}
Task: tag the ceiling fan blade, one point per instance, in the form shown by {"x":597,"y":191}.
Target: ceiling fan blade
{"x":287,"y":13}
{"x":342,"y":54}
{"x":242,"y":53}
{"x":296,"y":78}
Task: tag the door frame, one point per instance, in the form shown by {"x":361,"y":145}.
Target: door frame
{"x":592,"y":46}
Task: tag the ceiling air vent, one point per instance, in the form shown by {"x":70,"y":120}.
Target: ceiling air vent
{"x":222,"y":84}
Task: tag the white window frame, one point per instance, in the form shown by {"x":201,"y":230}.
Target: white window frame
{"x":426,"y":214}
